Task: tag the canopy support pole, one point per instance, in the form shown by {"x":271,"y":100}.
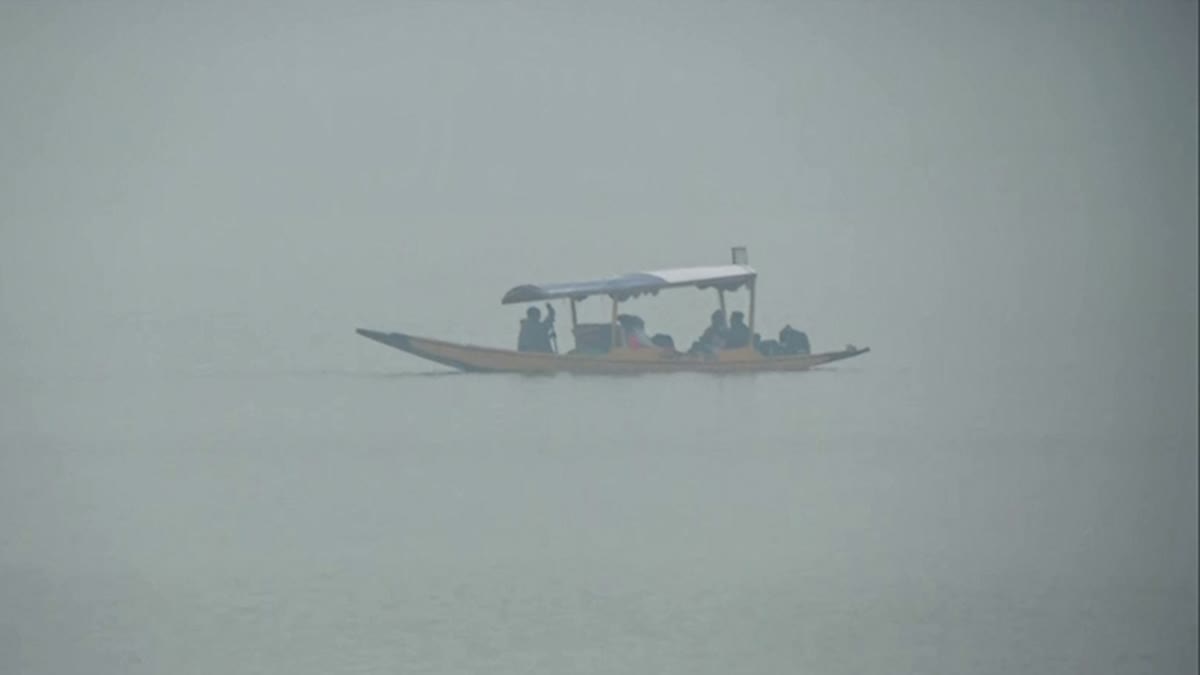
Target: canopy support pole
{"x":721,"y":296}
{"x":574,"y":324}
{"x":614,"y":324}
{"x":751,"y":285}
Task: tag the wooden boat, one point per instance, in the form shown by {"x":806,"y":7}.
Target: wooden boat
{"x":602,"y":349}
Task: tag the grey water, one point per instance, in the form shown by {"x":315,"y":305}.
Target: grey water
{"x":203,"y":469}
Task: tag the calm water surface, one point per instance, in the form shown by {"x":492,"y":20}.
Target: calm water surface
{"x":864,"y":518}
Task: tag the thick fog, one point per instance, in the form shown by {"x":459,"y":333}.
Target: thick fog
{"x":233,"y":187}
{"x":200,"y":202}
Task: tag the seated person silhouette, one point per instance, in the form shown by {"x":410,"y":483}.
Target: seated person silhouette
{"x":536,"y":334}
{"x":739,"y":332}
{"x":635,"y":332}
{"x":793,"y":341}
{"x":714,"y":337}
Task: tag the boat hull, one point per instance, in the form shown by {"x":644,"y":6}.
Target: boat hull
{"x":470,"y":358}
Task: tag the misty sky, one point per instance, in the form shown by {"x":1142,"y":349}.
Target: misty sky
{"x":924,"y":177}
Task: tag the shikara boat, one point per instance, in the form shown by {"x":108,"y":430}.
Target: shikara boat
{"x":601,"y":348}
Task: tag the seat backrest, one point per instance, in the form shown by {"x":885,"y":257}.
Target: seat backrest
{"x":596,"y":337}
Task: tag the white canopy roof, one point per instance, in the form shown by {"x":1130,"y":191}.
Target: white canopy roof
{"x":728,"y":277}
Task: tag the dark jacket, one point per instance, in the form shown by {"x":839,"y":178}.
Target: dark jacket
{"x":535,"y":335}
{"x":794,"y":341}
{"x":738,"y":336}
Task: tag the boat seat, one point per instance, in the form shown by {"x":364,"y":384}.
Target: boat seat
{"x":596,"y":338}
